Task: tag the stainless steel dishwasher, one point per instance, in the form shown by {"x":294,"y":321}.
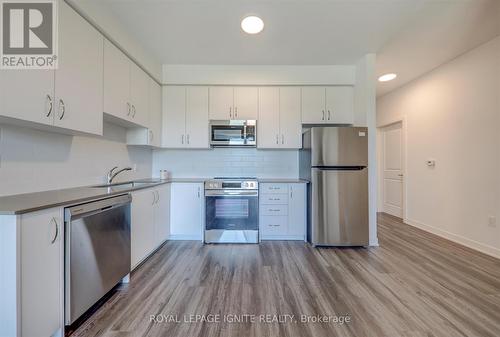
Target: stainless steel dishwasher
{"x":97,"y":252}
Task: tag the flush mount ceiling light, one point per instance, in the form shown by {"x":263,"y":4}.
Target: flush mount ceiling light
{"x":387,"y":77}
{"x":252,"y":24}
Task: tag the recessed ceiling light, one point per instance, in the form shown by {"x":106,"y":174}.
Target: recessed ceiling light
{"x":387,"y":77}
{"x":252,"y":24}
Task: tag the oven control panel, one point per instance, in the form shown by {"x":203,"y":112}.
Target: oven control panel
{"x":231,"y":184}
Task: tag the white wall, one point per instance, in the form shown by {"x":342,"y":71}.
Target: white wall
{"x":32,"y":160}
{"x":453,"y":115}
{"x":227,"y":162}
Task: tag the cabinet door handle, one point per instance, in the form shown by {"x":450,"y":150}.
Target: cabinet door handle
{"x":282,"y":139}
{"x":182,"y":139}
{"x":329,"y":116}
{"x":277,"y":139}
{"x":187,"y":138}
{"x":199,"y":193}
{"x":128,"y":109}
{"x":323,"y":118}
{"x":235,"y":111}
{"x":62,"y":108}
{"x":291,"y":192}
{"x":154,"y":198}
{"x":53,"y":220}
{"x":157,"y":196}
{"x":49,"y":99}
{"x":230,"y":112}
{"x":133,"y":111}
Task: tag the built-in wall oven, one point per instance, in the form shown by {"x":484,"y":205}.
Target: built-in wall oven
{"x":233,"y":133}
{"x":232,"y":210}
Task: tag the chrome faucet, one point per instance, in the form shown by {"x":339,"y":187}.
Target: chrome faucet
{"x":112,"y":174}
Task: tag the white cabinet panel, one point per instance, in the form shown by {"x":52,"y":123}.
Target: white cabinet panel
{"x":282,"y":209}
{"x":142,"y":232}
{"x":313,"y":105}
{"x":162,"y":214}
{"x":154,"y":114}
{"x":116,"y":82}
{"x":174,"y":116}
{"x":246,"y":103}
{"x":27,"y":95}
{"x":290,"y":118}
{"x":268,"y":126}
{"x":297,"y":210}
{"x":42,"y":242}
{"x":273,"y":226}
{"x":139,"y":86}
{"x":340,"y":105}
{"x":197,"y":117}
{"x":79,"y":78}
{"x":186,"y":206}
{"x":221,"y":103}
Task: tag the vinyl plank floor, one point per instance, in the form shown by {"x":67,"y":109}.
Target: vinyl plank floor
{"x":415,"y":284}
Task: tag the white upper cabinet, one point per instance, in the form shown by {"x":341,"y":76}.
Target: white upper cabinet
{"x":139,"y":96}
{"x":279,"y":124}
{"x":126,"y":88}
{"x":79,"y":86}
{"x":116,"y":82}
{"x":221,"y":103}
{"x":313,"y":105}
{"x":268,"y":128}
{"x":154,"y":132}
{"x":340,"y":105}
{"x":185,"y":117}
{"x":290,"y":118}
{"x":246,"y":103}
{"x":27,"y":95}
{"x":69,"y":97}
{"x":233,"y":103}
{"x":197,"y":117}
{"x":174,"y":117}
{"x":328,"y":105}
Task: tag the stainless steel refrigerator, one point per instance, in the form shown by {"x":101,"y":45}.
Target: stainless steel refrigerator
{"x":335,"y":161}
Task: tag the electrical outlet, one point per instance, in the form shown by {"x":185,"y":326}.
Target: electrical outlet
{"x":492,"y":221}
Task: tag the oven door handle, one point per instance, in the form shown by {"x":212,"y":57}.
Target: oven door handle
{"x":210,"y":193}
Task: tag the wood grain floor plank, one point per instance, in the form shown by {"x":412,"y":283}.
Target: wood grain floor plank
{"x":415,"y":284}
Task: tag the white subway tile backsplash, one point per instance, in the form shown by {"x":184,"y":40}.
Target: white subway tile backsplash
{"x":231,"y":161}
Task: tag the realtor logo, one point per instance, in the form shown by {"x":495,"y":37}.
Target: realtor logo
{"x":29,"y":34}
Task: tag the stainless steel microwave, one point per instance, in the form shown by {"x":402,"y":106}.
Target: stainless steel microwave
{"x":233,"y":133}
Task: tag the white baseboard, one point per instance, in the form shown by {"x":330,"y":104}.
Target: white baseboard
{"x":480,"y":247}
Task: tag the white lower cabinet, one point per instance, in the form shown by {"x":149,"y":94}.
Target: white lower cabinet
{"x":150,"y":213}
{"x":186,"y":205}
{"x":282,"y":211}
{"x":42,"y":278}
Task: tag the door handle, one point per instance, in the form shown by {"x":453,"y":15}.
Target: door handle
{"x":157,"y":196}
{"x":323,"y":118}
{"x":133,"y":111}
{"x":291,"y":192}
{"x":62,"y":108}
{"x":329,"y":117}
{"x":235,"y":111}
{"x":230,"y":112}
{"x":128,"y":109}
{"x":199,"y":193}
{"x":154,"y":198}
{"x":182,"y":139}
{"x":53,"y":220}
{"x":277,"y":139}
{"x":187,"y":138}
{"x":49,"y":99}
{"x":282,"y":139}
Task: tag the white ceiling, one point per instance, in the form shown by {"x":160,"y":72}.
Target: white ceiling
{"x":409,"y":36}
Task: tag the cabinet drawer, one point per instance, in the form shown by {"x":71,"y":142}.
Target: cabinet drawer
{"x":274,"y":188}
{"x":274,"y":210}
{"x":273,"y":225}
{"x":273,"y":199}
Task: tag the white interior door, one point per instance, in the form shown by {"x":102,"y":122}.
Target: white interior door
{"x":392,"y":166}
